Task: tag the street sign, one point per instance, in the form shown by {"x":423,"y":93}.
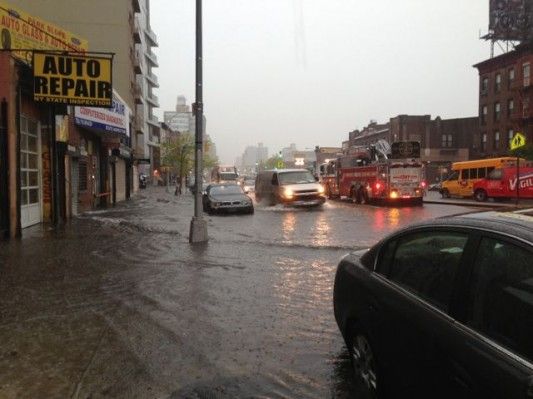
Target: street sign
{"x":518,"y":141}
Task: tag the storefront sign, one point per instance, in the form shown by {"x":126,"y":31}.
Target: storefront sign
{"x":19,"y":30}
{"x":72,"y":79}
{"x":115,"y":119}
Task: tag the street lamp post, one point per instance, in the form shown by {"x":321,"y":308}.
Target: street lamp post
{"x":198,"y":227}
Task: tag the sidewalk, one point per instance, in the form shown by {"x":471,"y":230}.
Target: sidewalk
{"x":434,"y":197}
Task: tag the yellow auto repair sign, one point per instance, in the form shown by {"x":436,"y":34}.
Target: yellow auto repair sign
{"x":72,"y":79}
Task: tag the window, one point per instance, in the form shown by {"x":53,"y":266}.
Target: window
{"x":525,"y":73}
{"x":481,"y":173}
{"x":425,"y":263}
{"x":510,"y":107}
{"x":496,"y":111}
{"x":484,"y":142}
{"x":498,"y":83}
{"x":472,"y":173}
{"x":484,"y":111}
{"x":484,"y":85}
{"x":465,"y":174}
{"x":510,"y":77}
{"x":501,"y":295}
{"x":510,"y":134}
{"x":447,"y":140}
{"x":496,"y":140}
{"x":496,"y":174}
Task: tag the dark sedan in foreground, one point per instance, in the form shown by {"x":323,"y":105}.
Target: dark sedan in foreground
{"x":443,"y":308}
{"x":226,"y":197}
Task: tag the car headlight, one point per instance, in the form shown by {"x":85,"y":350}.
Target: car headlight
{"x":288,"y":193}
{"x":321,"y":190}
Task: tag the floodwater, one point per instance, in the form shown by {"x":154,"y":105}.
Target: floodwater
{"x":118,"y":304}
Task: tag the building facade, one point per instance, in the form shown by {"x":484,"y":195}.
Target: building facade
{"x":505,"y":106}
{"x":57,"y":160}
{"x":123,"y":28}
{"x":442,"y":141}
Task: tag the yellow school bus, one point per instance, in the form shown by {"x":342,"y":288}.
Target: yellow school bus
{"x":460,"y":182}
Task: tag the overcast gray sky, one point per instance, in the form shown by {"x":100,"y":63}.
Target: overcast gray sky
{"x":309,"y":71}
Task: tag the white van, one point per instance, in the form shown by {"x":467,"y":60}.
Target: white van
{"x":297,"y":187}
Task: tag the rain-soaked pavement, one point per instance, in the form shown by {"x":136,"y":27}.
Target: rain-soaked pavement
{"x":119,"y":305}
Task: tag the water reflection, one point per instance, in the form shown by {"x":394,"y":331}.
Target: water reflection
{"x":289,"y":223}
{"x":389,"y":218}
{"x":321,"y":233}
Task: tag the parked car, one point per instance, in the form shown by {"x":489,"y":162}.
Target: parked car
{"x":296,"y":187}
{"x":226,"y":197}
{"x":443,"y":308}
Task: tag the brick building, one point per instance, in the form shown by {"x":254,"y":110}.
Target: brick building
{"x":505,"y":106}
{"x":442,"y":141}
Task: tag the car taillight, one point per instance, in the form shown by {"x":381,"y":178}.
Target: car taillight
{"x":423,"y":184}
{"x":377,"y":185}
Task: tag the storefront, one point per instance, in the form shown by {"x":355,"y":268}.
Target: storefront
{"x":104,"y":163}
{"x":30,"y":172}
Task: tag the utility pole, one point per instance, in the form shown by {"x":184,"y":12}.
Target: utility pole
{"x":198,"y":228}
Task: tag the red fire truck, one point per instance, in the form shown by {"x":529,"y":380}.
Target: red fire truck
{"x":367,"y":175}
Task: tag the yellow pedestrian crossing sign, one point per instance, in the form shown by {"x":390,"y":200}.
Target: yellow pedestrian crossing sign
{"x":280,"y":164}
{"x":518,"y":141}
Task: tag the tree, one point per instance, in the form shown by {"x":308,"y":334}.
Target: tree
{"x":178,"y":155}
{"x":273,"y":162}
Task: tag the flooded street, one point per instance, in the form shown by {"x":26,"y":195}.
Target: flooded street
{"x":118,"y":304}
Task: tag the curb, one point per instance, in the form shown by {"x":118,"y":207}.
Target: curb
{"x":470,"y":204}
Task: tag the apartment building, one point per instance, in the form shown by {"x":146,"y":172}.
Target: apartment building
{"x":505,"y":107}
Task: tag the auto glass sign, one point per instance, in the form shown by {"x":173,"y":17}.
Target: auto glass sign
{"x":20,"y":30}
{"x":72,"y":79}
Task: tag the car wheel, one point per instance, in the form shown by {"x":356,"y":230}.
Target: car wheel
{"x":445,"y":193}
{"x":480,"y":195}
{"x":364,"y":362}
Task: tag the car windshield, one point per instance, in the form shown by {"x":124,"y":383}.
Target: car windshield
{"x":225,"y":190}
{"x":228,"y":176}
{"x":303,"y":176}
